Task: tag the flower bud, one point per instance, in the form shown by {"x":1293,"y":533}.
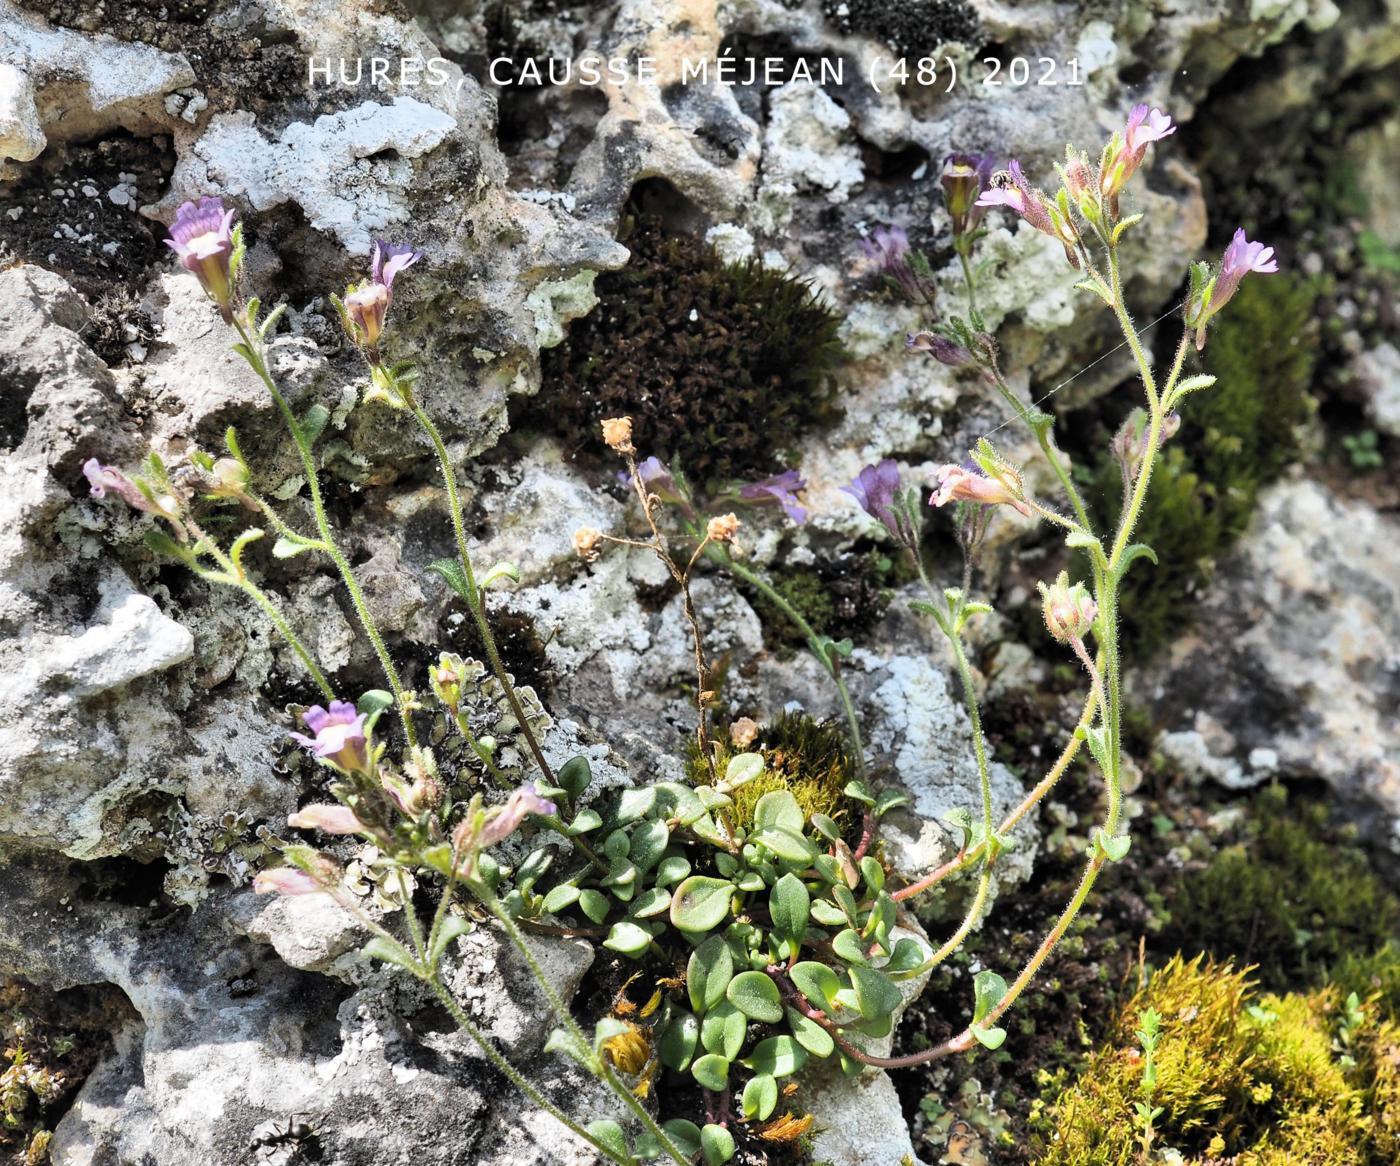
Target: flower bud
{"x":939,"y":347}
{"x":329,"y":819}
{"x":445,"y":679}
{"x":1069,"y":611}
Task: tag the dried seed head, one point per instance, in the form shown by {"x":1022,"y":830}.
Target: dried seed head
{"x":617,"y":432}
{"x":722,"y":527}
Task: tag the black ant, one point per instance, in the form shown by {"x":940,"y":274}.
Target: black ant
{"x":298,"y":1136}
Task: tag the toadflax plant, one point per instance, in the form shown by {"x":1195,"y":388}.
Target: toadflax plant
{"x":767,"y":934}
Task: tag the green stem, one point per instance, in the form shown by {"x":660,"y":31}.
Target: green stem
{"x":598,"y":1065}
{"x":253,"y":353}
{"x":511,"y":1074}
{"x":968,"y":280}
{"x":814,"y":643}
{"x":476,"y":599}
{"x":261,"y":598}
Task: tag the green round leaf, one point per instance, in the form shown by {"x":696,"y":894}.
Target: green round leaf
{"x":610,"y":1134}
{"x":790,"y":904}
{"x":575,"y":774}
{"x":701,"y":903}
{"x":628,"y":939}
{"x":817,"y":982}
{"x":653,"y":901}
{"x":678,"y":1042}
{"x":760,"y":1097}
{"x":649,"y":842}
{"x":742,"y":768}
{"x":708,"y":973}
{"x":559,"y":898}
{"x":988,"y":990}
{"x":876,"y":994}
{"x":671,"y":870}
{"x":850,"y":947}
{"x":809,"y":1034}
{"x":756,"y":996}
{"x":594,"y":904}
{"x":685,"y":1134}
{"x":778,"y":809}
{"x":873,"y":873}
{"x":717,"y":1144}
{"x":723,"y":1030}
{"x":788,"y":845}
{"x":711,"y":1071}
{"x":991,"y":1038}
{"x":779,"y":1056}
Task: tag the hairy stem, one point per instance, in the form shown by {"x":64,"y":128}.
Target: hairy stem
{"x":253,"y":353}
{"x":476,"y":598}
{"x":814,"y":644}
{"x":511,"y":1074}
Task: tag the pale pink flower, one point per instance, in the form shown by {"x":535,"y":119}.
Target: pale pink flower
{"x":202,"y":237}
{"x":327,"y":818}
{"x":960,"y":484}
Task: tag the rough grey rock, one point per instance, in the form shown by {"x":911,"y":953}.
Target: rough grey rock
{"x":1293,"y":668}
{"x":56,"y":83}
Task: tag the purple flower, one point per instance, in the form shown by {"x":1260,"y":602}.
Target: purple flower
{"x":782,"y":490}
{"x":963,"y":179}
{"x":367,"y":303}
{"x":1127,"y":150}
{"x":1241,"y":257}
{"x":340,"y":739}
{"x":939,"y":347}
{"x":889,"y":247}
{"x":876,"y":488}
{"x":658,"y":480}
{"x":103,"y":478}
{"x":329,"y":819}
{"x":202,"y":236}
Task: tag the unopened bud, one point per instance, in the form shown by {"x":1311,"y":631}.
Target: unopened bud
{"x":1069,"y":611}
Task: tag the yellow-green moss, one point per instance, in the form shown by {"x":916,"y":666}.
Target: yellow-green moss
{"x":810,"y":758}
{"x":1268,"y":1080}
